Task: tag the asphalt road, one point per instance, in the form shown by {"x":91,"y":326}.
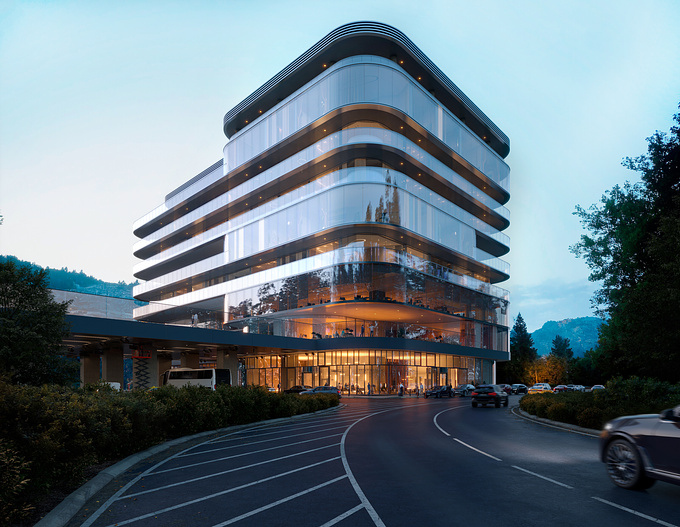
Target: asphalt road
{"x":397,"y":461}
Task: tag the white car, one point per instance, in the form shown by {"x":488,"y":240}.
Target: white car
{"x":540,"y":387}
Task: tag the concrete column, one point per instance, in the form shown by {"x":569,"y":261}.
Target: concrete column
{"x":229,"y":360}
{"x":189,"y":360}
{"x":89,"y":368}
{"x":113,"y":366}
{"x":164,"y":364}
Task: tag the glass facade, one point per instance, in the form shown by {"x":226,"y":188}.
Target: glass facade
{"x":358,"y":205}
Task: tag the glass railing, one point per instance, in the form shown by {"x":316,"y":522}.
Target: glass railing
{"x":311,"y":327}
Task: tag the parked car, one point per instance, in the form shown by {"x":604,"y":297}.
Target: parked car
{"x":597,"y":387}
{"x":489,"y":394}
{"x":540,"y":387}
{"x":575,"y":388}
{"x":298,"y":389}
{"x":519,"y":388}
{"x":463,"y":390}
{"x":640,"y":449}
{"x":439,"y":391}
{"x":560,"y":388}
{"x":332,"y":390}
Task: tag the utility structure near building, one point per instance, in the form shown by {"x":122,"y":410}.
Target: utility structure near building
{"x":359,"y":204}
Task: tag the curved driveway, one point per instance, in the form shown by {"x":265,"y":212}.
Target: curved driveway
{"x":380,"y":462}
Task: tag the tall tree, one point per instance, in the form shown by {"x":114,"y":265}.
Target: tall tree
{"x":633,"y":250}
{"x":32,"y":328}
{"x":561,"y":348}
{"x":522,"y":355}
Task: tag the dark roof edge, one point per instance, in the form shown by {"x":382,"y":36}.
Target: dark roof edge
{"x":194,"y":179}
{"x":338,"y":44}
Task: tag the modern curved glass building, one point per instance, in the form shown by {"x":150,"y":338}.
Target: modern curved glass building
{"x":360,"y":204}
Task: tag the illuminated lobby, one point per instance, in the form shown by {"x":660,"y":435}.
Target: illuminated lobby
{"x":358,"y":210}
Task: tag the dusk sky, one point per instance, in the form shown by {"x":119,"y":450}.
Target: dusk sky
{"x":107,"y":106}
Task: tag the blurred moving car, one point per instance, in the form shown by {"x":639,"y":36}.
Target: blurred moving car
{"x":463,"y":390}
{"x":519,"y":388}
{"x":439,"y":391}
{"x":331,"y":390}
{"x":298,"y":389}
{"x":488,"y":394}
{"x":640,"y":449}
{"x":506,"y":388}
{"x":540,"y":387}
{"x":560,"y":388}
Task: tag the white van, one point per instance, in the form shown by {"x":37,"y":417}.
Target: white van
{"x":208,"y":377}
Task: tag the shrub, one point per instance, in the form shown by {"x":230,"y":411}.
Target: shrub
{"x":13,"y":481}
{"x":591,"y":418}
{"x":51,"y":434}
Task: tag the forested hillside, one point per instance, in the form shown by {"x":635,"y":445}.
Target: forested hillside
{"x":582,"y":334}
{"x":78,"y":281}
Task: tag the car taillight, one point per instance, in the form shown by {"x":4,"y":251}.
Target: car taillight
{"x":474,"y":393}
{"x":493,"y":394}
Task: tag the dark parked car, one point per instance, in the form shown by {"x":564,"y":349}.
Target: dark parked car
{"x":463,"y":390}
{"x":489,"y":394}
{"x":639,"y":449}
{"x":297,"y":389}
{"x":332,"y":390}
{"x":519,"y":388}
{"x":439,"y":391}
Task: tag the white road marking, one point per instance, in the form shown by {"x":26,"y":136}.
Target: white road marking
{"x":344,"y":515}
{"x":434,"y":419}
{"x":211,"y":461}
{"x":240,"y":445}
{"x":223,"y":472}
{"x":477,"y":450}
{"x":636,"y":513}
{"x":279,"y":502}
{"x":132,"y":482}
{"x":355,"y":485}
{"x":543,"y":477}
{"x":221,"y":493}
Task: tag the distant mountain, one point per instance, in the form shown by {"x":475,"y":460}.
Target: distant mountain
{"x":582,"y":334}
{"x":79,"y":282}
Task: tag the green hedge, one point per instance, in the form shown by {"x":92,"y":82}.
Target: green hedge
{"x":51,"y":434}
{"x":594,"y":409}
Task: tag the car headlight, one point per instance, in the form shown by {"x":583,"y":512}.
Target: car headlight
{"x":608,"y":426}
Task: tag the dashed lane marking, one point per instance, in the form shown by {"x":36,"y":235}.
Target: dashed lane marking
{"x":434,"y":419}
{"x":543,"y":477}
{"x":476,"y":449}
{"x":636,"y":513}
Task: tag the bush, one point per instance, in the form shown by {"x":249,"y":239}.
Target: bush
{"x":13,"y":481}
{"x":51,"y":434}
{"x":592,"y":410}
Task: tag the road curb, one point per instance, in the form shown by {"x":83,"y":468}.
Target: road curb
{"x":69,"y":507}
{"x":516,"y":410}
